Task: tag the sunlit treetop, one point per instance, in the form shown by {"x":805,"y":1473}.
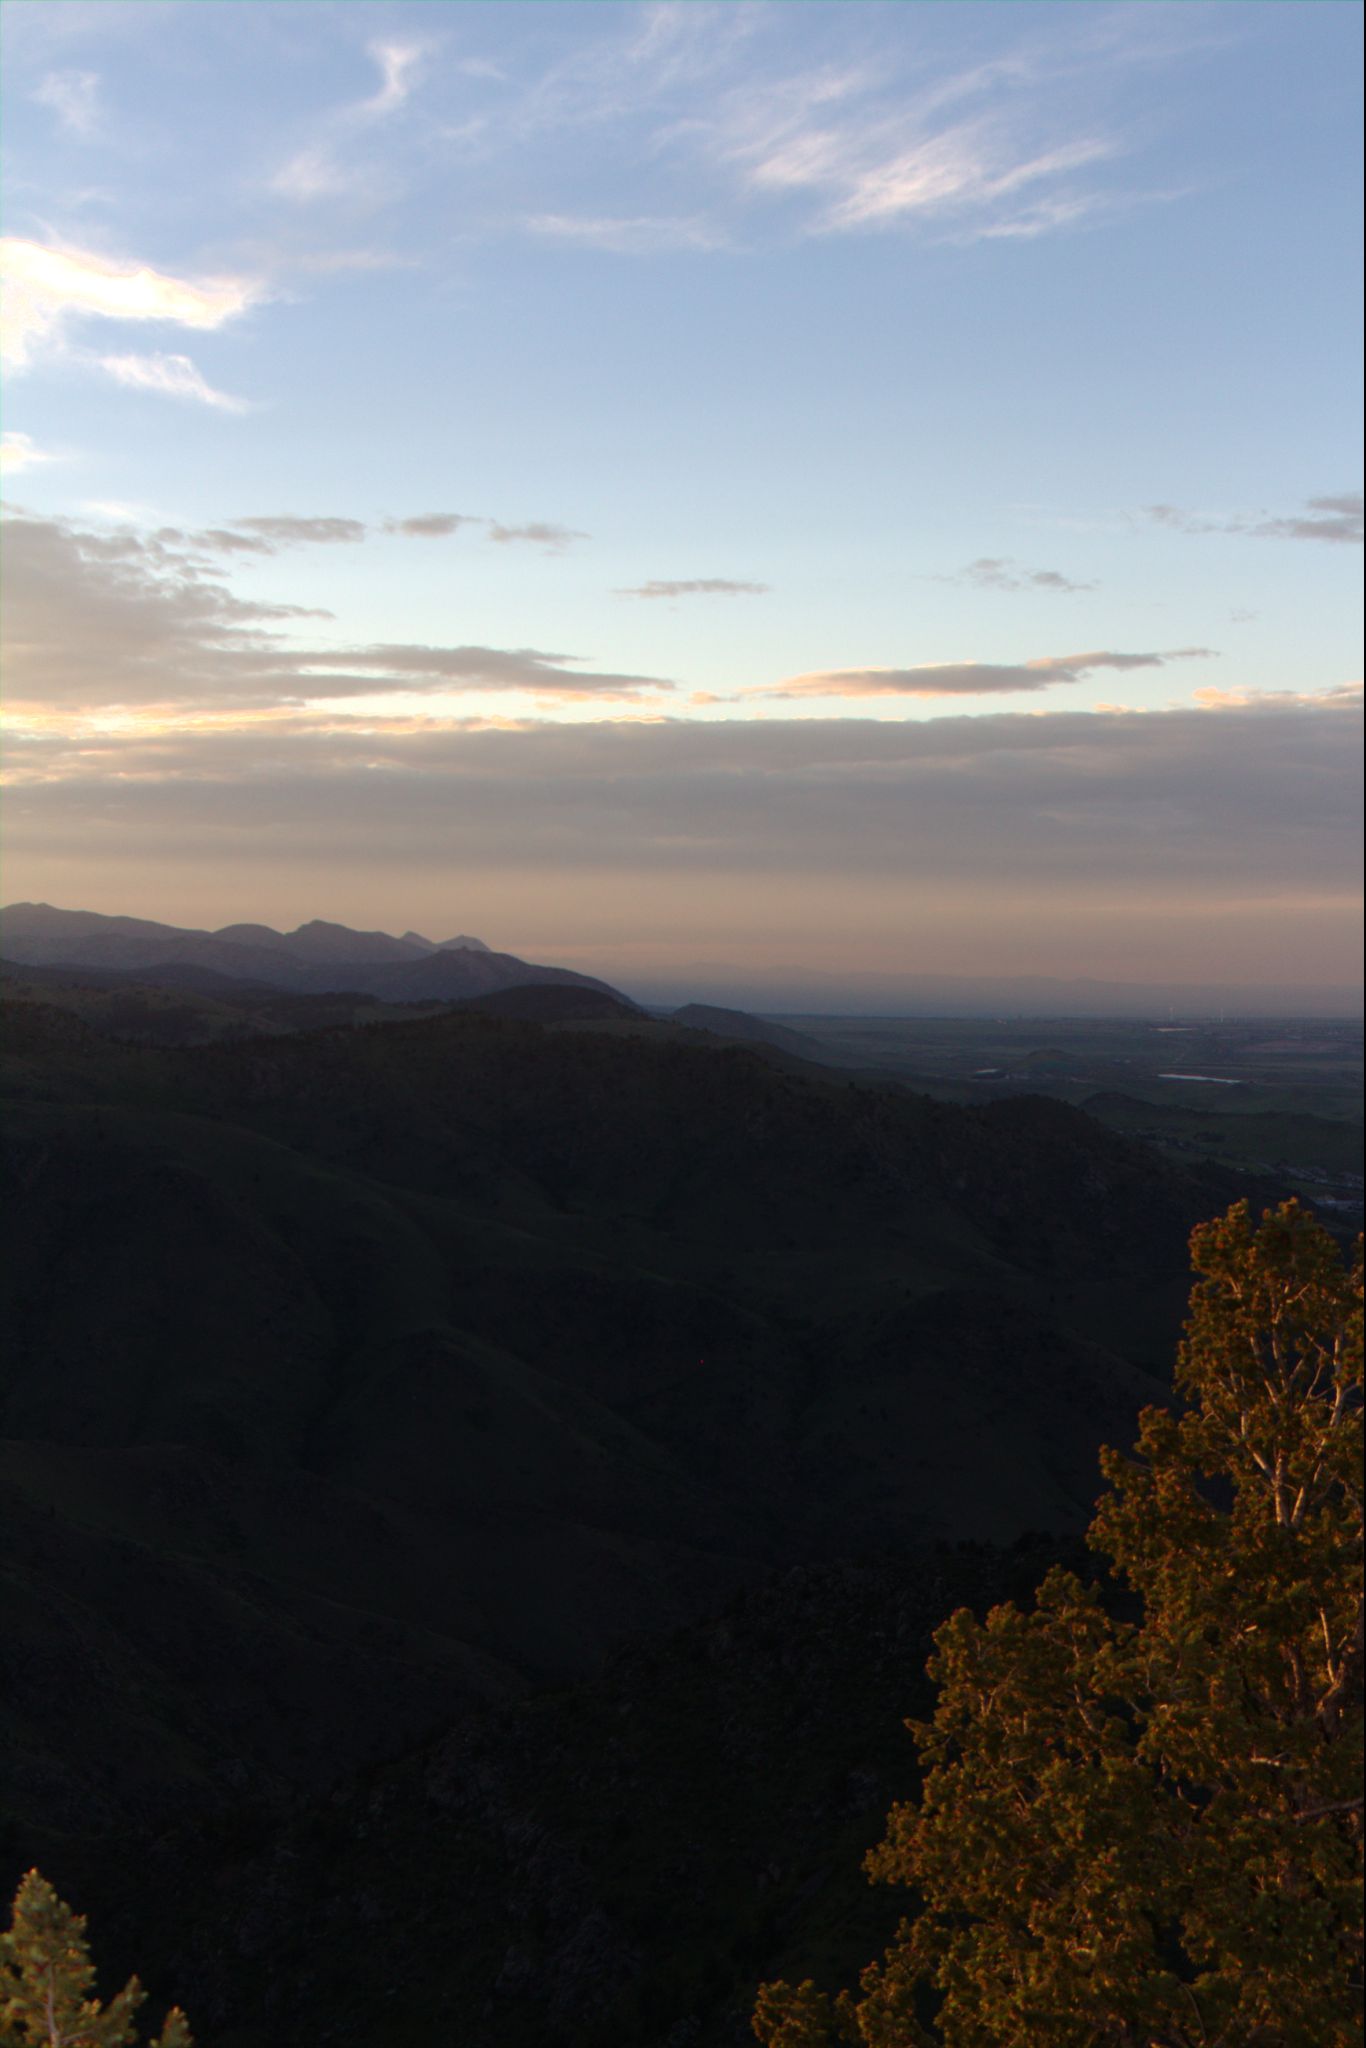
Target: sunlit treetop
{"x":1148,"y":1834}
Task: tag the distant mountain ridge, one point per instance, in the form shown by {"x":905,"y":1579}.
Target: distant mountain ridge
{"x":29,"y":927}
{"x":317,"y":958}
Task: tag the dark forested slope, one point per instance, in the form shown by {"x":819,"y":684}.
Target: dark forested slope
{"x":360,"y":1379}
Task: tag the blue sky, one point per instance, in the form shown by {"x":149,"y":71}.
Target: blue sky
{"x":742,"y":364}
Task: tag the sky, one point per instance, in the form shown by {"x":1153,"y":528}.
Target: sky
{"x":868,"y":486}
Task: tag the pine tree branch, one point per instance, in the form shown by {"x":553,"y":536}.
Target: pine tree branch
{"x":1349,"y":1675}
{"x":1320,"y":1812}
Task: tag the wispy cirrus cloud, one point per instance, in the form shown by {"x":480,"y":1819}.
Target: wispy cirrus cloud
{"x":971,"y":172}
{"x":696,"y":586}
{"x":20,"y":451}
{"x":1011,"y":148}
{"x":170,"y":376}
{"x":651,"y":61}
{"x":977,"y":153}
{"x":686,"y":42}
{"x":294,"y":261}
{"x":626,"y":235}
{"x":334,"y":165}
{"x":73,"y":97}
{"x":999,"y":572}
{"x":47,"y":288}
{"x":315,"y":173}
{"x":1337,"y":519}
{"x":399,"y":64}
{"x":969,"y":678}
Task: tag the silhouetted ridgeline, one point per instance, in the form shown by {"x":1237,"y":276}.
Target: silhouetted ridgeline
{"x":318,"y":958}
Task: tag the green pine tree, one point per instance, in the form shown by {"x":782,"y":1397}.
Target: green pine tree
{"x":1148,"y":1834}
{"x":47,"y":1983}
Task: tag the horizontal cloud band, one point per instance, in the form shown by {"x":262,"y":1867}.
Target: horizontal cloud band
{"x":1261,"y":798}
{"x":968,"y":678}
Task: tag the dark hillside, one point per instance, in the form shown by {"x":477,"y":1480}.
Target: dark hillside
{"x":547,"y":1002}
{"x":743,"y":1029}
{"x":359,"y":1376}
{"x":184,"y":1005}
{"x":613,"y":1865}
{"x":450,"y":974}
{"x":180,"y":1004}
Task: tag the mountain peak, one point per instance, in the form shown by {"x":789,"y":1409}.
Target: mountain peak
{"x":321,"y":940}
{"x":315,"y":958}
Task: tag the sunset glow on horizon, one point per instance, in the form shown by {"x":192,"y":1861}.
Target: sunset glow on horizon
{"x":864,"y":488}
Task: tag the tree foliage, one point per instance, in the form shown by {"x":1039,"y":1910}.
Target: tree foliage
{"x":1148,"y":1833}
{"x":47,"y":1983}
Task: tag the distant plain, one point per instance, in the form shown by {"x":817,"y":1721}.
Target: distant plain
{"x":1277,"y":1094}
